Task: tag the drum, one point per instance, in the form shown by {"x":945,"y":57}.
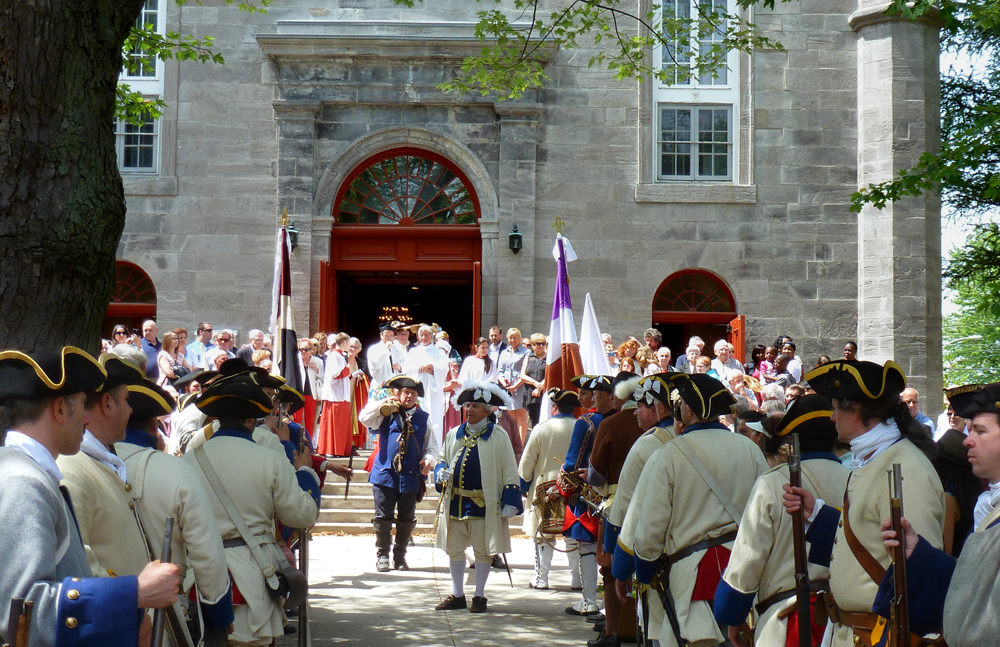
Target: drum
{"x":551,"y":509}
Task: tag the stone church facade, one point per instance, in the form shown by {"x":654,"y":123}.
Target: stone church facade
{"x":320,"y":101}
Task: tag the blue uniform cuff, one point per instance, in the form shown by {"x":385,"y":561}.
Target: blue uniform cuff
{"x":437,"y":470}
{"x":731,"y":606}
{"x":645,"y":570}
{"x":611,"y":532}
{"x":525,"y":485}
{"x":822,"y":531}
{"x":221,"y":613}
{"x":622,"y":563}
{"x":290,"y":450}
{"x":511,"y":496}
{"x":928,"y":575}
{"x":102,"y":611}
{"x":308,"y":483}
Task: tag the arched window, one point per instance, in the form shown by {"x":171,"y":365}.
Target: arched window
{"x":694,"y":291}
{"x":407,"y":187}
{"x":132,"y":285}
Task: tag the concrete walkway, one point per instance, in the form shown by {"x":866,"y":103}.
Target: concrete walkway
{"x":352,"y":604}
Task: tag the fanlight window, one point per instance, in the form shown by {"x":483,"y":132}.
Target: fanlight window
{"x":132,"y":285}
{"x":407,"y":189}
{"x":693,"y":292}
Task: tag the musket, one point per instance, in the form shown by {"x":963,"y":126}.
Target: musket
{"x":304,"y":567}
{"x":799,"y":548}
{"x":899,"y":615}
{"x":19,"y":623}
{"x":159,"y":616}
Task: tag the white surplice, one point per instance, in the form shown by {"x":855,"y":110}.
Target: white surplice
{"x":433,"y":400}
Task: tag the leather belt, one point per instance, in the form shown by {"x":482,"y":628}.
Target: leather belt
{"x":861,"y":623}
{"x":232,"y":543}
{"x":673,"y":558}
{"x":770,"y":601}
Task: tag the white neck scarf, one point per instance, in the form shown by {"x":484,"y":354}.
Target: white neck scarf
{"x":873,"y":442}
{"x":479,"y":426}
{"x":985,"y":503}
{"x":34,"y":450}
{"x":96,"y":450}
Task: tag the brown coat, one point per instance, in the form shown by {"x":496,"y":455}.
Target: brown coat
{"x":615,"y":437}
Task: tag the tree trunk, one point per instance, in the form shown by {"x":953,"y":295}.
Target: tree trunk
{"x":62,"y":205}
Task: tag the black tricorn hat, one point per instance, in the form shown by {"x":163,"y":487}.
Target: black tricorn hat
{"x":149,"y":400}
{"x":970,"y":399}
{"x":119,"y":372}
{"x":237,"y":396}
{"x":657,"y":387}
{"x":484,"y":392}
{"x":404,"y":382}
{"x":387,"y":325}
{"x":593,"y":383}
{"x":291,"y":397}
{"x":49,"y":374}
{"x":235,"y":366}
{"x":564,"y":397}
{"x":198,"y":375}
{"x":951,"y":447}
{"x":809,"y":416}
{"x":856,"y":380}
{"x":707,"y":396}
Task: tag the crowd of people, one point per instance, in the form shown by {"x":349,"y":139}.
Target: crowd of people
{"x":669,"y":482}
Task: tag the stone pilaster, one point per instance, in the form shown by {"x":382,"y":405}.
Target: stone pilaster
{"x":516,"y":193}
{"x":296,"y":129}
{"x":899,"y":247}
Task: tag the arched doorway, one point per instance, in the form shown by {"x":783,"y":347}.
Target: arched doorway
{"x":697,"y":302}
{"x":405,"y":235}
{"x":133,"y":299}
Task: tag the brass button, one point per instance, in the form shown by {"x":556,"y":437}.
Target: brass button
{"x":131,"y":505}
{"x":76,"y":579}
{"x":128,"y":487}
{"x":71,"y":623}
{"x":73,"y":594}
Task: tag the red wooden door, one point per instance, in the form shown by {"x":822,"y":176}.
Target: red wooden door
{"x":737,"y":336}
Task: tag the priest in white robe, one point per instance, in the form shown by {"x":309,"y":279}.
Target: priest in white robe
{"x":429,"y":364}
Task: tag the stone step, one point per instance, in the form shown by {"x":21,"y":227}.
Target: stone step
{"x":365,"y":515}
{"x":363,"y":500}
{"x":365,"y":528}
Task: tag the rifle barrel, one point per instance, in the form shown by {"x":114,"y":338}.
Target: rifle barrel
{"x":900,"y":602}
{"x":799,"y":550}
{"x":159,"y":616}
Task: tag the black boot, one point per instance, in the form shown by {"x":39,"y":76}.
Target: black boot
{"x":383,"y":541}
{"x":403,"y":531}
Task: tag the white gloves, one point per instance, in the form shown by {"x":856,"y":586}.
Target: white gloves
{"x":508,"y":511}
{"x":357,"y":373}
{"x":443,"y":476}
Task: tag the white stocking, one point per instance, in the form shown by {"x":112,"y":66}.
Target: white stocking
{"x":457,"y":573}
{"x":482,"y":572}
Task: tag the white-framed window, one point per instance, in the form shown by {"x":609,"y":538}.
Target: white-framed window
{"x":147,"y":79}
{"x":694,"y":131}
{"x":138,"y":147}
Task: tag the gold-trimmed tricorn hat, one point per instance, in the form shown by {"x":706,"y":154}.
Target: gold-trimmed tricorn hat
{"x":707,"y":396}
{"x":564,"y":397}
{"x":593,"y":383}
{"x":149,"y":400}
{"x":119,"y":372}
{"x":810,"y":417}
{"x":49,"y":374}
{"x":970,"y":399}
{"x":856,"y":380}
{"x":237,"y":396}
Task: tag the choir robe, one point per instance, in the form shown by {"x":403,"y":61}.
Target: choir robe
{"x":617,"y":537}
{"x":868,"y":493}
{"x":42,"y":559}
{"x":336,"y":429}
{"x":540,"y":462}
{"x":954,"y":598}
{"x":495,"y":468}
{"x":678,"y":509}
{"x":433,"y":400}
{"x":105,"y":513}
{"x":265,"y":487}
{"x":167,"y":486}
{"x":762,"y":563}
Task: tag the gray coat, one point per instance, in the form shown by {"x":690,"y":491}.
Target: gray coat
{"x":40,"y":548}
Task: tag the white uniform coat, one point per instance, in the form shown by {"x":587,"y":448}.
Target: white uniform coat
{"x":496,"y":461}
{"x":541,"y":461}
{"x":263,"y":486}
{"x":763,"y":556}
{"x":433,"y":400}
{"x":676,"y":509}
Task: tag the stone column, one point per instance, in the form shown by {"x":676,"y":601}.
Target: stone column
{"x":899,"y":247}
{"x":515,"y":273}
{"x":296,"y":121}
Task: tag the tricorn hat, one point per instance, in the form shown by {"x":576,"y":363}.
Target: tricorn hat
{"x":404,"y":382}
{"x":707,"y":396}
{"x":49,"y":374}
{"x":856,"y":380}
{"x":809,"y":416}
{"x":235,"y":366}
{"x":237,"y":396}
{"x":970,"y":399}
{"x":291,"y":397}
{"x":564,"y":397}
{"x":198,"y":375}
{"x":119,"y":372}
{"x":149,"y":400}
{"x":593,"y":383}
{"x":387,"y":325}
{"x":656,"y":387}
{"x":484,"y":392}
{"x":625,"y":383}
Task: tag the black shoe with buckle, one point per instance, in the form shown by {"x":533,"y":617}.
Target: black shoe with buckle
{"x":478,"y":604}
{"x":451,"y":602}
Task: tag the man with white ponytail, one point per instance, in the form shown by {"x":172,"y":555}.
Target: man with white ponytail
{"x":480,"y":490}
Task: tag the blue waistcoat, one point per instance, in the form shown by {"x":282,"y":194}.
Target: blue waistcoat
{"x":383,"y":472}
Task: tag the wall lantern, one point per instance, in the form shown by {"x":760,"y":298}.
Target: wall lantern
{"x":293,"y":235}
{"x":515,"y":240}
